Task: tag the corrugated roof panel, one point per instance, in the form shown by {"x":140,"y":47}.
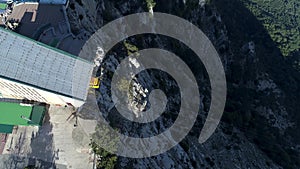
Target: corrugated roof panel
{"x":33,"y":63}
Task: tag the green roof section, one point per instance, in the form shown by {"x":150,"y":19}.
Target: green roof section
{"x":37,"y":115}
{"x":12,"y":113}
{"x":6,"y":129}
{"x":3,"y":6}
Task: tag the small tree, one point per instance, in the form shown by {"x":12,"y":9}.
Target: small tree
{"x":103,"y":136}
{"x":30,"y":167}
{"x":150,"y":5}
{"x":105,"y":160}
{"x":131,"y":49}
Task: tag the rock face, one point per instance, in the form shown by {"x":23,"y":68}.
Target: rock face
{"x":259,"y":126}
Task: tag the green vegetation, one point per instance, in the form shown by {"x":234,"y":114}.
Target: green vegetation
{"x":123,"y":85}
{"x":30,"y":167}
{"x":150,"y":4}
{"x":105,"y":160}
{"x":244,"y":25}
{"x":281,"y":19}
{"x":131,"y":49}
{"x":103,"y":137}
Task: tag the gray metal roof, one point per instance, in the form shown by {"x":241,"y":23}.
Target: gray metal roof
{"x":33,"y":63}
{"x":53,"y":2}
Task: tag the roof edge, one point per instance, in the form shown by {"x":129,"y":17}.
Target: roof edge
{"x":47,"y":46}
{"x":40,"y":88}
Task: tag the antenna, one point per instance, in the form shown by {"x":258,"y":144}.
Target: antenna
{"x":25,"y":118}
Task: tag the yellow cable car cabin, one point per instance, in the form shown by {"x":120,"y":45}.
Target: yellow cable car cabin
{"x":95,"y":83}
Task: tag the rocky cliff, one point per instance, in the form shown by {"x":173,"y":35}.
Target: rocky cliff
{"x":259,"y":126}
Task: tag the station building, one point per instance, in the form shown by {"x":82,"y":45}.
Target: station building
{"x":34,"y":71}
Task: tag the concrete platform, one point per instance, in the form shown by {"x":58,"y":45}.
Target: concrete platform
{"x":57,"y":143}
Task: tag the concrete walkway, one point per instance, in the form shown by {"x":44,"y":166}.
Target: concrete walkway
{"x":56,"y":142}
{"x":71,"y":143}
